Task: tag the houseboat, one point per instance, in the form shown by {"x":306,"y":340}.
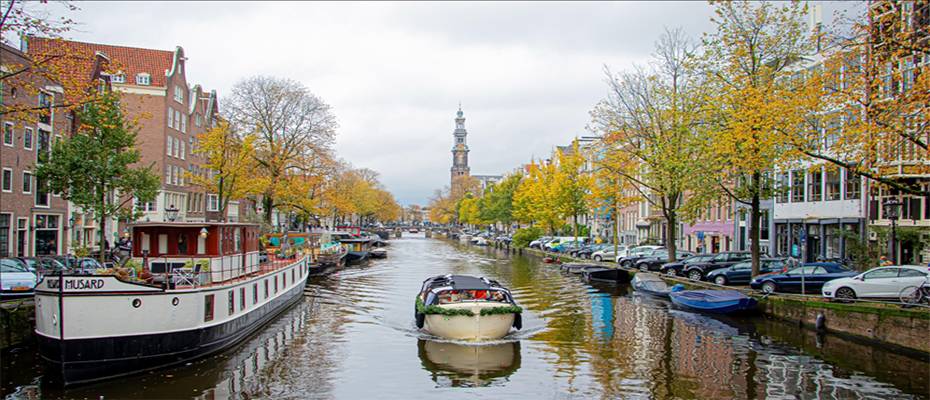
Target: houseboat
{"x":200,"y":288}
{"x":331,"y":256}
{"x":466,"y":308}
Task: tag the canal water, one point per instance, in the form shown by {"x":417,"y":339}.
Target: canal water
{"x":353,"y":337}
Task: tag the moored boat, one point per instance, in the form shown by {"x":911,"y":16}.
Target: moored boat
{"x":378,"y":252}
{"x":202,"y":288}
{"x":715,"y":301}
{"x":650,"y":284}
{"x":466,"y":308}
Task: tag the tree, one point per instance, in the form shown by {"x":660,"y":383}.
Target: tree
{"x":497,"y":201}
{"x":652,"y":136}
{"x":609,"y":189}
{"x":295,"y":132}
{"x":93,"y":168}
{"x":230,"y":165}
{"x":536,"y":198}
{"x":573,"y":184}
{"x":748,"y":61}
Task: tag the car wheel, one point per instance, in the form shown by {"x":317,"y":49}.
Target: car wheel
{"x":643,"y":267}
{"x":671,"y":272}
{"x":769,"y":287}
{"x":625,"y":264}
{"x":598,"y":258}
{"x":845,"y":293}
{"x":694,"y":275}
{"x":720,"y":280}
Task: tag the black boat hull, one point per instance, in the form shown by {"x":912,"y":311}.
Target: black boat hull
{"x":96,"y":359}
{"x":356,"y":257}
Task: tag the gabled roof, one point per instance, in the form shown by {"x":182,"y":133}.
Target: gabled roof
{"x":130,"y":60}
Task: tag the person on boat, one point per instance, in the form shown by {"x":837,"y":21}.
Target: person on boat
{"x":480,"y":294}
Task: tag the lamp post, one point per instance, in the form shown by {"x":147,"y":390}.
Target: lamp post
{"x":171,"y":213}
{"x":892,"y":205}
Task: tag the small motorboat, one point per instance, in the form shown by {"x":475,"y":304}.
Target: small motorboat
{"x":605,"y":274}
{"x":479,"y":241}
{"x":551,"y":260}
{"x":378,"y":252}
{"x":465,"y":307}
{"x":715,"y":301}
{"x":651,"y":284}
{"x":465,"y":238}
{"x":577,"y":268}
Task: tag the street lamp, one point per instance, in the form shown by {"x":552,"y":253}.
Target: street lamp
{"x":171,"y":213}
{"x":892,"y":205}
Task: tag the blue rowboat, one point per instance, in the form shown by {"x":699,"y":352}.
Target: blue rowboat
{"x":715,"y":301}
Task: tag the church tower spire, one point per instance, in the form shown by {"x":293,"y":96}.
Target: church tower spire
{"x":459,"y":147}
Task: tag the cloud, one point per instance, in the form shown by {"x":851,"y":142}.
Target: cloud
{"x":526,"y":73}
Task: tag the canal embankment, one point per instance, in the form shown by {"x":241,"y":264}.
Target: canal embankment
{"x":17,"y":322}
{"x":882,"y":323}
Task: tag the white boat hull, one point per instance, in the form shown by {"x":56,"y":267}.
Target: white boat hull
{"x":476,"y":327}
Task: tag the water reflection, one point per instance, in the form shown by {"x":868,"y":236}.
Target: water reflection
{"x":463,"y":365}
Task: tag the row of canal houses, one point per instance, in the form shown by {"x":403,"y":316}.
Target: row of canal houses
{"x":819,"y":206}
{"x":171,"y":112}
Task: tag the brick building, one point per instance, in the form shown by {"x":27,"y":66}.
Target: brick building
{"x":34,"y":222}
{"x":170,"y":113}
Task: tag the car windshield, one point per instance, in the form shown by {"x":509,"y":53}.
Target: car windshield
{"x":10,"y":265}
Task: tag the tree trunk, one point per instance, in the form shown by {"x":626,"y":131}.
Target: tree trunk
{"x":103,"y":227}
{"x":672,"y":232}
{"x":575,"y":228}
{"x":267,"y":202}
{"x":754,"y":217}
{"x":616,"y":228}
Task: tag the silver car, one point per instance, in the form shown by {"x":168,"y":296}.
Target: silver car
{"x":15,"y":278}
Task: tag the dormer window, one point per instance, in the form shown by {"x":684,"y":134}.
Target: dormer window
{"x":179,"y":94}
{"x":143,"y":79}
{"x":118,"y":78}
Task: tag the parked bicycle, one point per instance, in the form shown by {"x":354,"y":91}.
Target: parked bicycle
{"x":918,"y":294}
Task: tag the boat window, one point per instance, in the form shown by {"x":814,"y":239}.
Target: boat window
{"x":242,"y":298}
{"x":266,"y":289}
{"x":208,"y":308}
{"x":275,"y":284}
{"x":232,"y":302}
{"x":254,"y":293}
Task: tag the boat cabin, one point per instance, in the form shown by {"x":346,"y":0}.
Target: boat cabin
{"x":206,"y":252}
{"x":449,"y":289}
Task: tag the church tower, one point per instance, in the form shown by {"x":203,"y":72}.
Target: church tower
{"x":459,"y":149}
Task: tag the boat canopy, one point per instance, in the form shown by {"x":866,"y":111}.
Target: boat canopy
{"x":460,"y":282}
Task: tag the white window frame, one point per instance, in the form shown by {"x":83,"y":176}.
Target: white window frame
{"x":27,"y":180}
{"x":213,"y":203}
{"x":184,"y":123}
{"x":170,"y":117}
{"x":177,"y":120}
{"x":183,"y":155}
{"x":3,"y":180}
{"x":143,"y":79}
{"x":179,"y":94}
{"x":118,"y":77}
{"x":12,"y":134}
{"x":168,"y":144}
{"x":177,"y":148}
{"x":29,"y":132}
{"x":167,"y":174}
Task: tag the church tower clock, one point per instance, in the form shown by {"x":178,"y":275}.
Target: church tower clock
{"x":459,"y":148}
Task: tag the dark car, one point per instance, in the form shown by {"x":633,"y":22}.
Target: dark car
{"x":675,"y":268}
{"x":697,"y":271}
{"x":585,"y":252}
{"x":741,"y":273}
{"x":811,"y":276}
{"x":659,"y":258}
{"x":80,"y":266}
{"x":638,"y":254}
{"x":43,"y":265}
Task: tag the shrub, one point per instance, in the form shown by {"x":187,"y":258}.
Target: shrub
{"x":524,"y":236}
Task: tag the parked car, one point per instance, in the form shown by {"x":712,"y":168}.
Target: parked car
{"x":42,"y":266}
{"x":539,"y":242}
{"x":80,"y":266}
{"x":557,"y":241}
{"x":607,"y":253}
{"x":741,"y":273}
{"x":882,"y":282}
{"x":698,"y":271}
{"x":15,"y":278}
{"x":812,"y":276}
{"x":587,"y":251}
{"x":675,"y":268}
{"x":657,"y":259}
{"x":567,"y":246}
{"x":635,"y":254}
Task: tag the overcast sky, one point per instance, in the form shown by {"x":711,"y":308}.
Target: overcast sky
{"x":527,"y":74}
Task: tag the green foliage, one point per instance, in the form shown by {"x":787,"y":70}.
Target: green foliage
{"x":434,"y":309}
{"x":524,"y":236}
{"x":864,"y":254}
{"x":502,"y":310}
{"x":93,"y":168}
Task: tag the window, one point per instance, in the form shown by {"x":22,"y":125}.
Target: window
{"x":177,"y":120}
{"x":118,"y":78}
{"x":184,"y":123}
{"x":8,"y":134}
{"x":833,"y":184}
{"x":170,"y":117}
{"x":764,"y":225}
{"x":41,"y":193}
{"x":167,"y":174}
{"x":242,"y":298}
{"x":177,"y":148}
{"x":169,"y":145}
{"x":27,"y":139}
{"x":45,"y":145}
{"x":884,"y":273}
{"x":143,"y":79}
{"x":910,"y":273}
{"x":783,"y":188}
{"x":266,"y":289}
{"x":208,"y":308}
{"x":232,"y":302}
{"x":27,"y":182}
{"x":907,"y":74}
{"x":147,"y":206}
{"x":888,"y":80}
{"x":182,"y":150}
{"x":797,"y":186}
{"x":853,"y":184}
{"x":7,"y":180}
{"x":275,"y":284}
{"x":45,"y":103}
{"x":198,"y":120}
{"x":254,"y":293}
{"x":815,"y":186}
{"x":179,"y":94}
{"x":213,"y":202}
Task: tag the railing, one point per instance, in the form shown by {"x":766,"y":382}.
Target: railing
{"x":189,"y":271}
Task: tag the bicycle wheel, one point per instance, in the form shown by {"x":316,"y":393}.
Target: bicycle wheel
{"x":910,"y":295}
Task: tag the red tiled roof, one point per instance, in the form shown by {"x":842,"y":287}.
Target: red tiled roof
{"x":130,"y":60}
